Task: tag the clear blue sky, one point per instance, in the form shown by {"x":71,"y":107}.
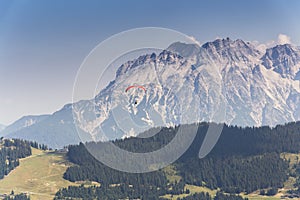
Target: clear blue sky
{"x":43,"y":43}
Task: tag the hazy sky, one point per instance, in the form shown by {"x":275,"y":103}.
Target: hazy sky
{"x":43,"y":43}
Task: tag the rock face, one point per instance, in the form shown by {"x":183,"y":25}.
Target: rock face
{"x":222,"y":81}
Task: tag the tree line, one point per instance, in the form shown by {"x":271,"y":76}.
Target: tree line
{"x":10,"y":153}
{"x":243,"y":160}
{"x":206,"y":196}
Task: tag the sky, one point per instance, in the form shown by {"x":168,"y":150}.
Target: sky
{"x":43,"y":43}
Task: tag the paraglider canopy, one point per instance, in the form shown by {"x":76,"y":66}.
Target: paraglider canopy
{"x":135,"y":86}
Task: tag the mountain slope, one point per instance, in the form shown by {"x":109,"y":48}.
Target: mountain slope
{"x":23,"y":123}
{"x":222,"y":81}
{"x":223,"y":73}
{"x":2,"y":127}
{"x":56,"y":130}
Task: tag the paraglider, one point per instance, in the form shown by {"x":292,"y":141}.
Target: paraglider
{"x":136,"y":87}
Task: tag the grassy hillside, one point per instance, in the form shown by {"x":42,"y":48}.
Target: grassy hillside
{"x":40,"y":175}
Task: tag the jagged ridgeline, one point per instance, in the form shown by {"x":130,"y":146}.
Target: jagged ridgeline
{"x":258,"y":88}
{"x":243,"y":160}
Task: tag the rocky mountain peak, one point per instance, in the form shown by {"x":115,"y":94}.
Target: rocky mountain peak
{"x":230,"y":50}
{"x":183,"y":49}
{"x":165,"y":57}
{"x":283,"y":59}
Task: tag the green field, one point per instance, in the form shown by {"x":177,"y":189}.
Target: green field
{"x":171,"y":174}
{"x":40,"y":175}
{"x":197,"y":189}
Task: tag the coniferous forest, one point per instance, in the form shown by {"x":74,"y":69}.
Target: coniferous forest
{"x":11,"y":150}
{"x":243,"y":160}
{"x":10,"y":153}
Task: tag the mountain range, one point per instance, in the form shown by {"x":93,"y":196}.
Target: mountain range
{"x":222,"y":81}
{"x":22,"y":123}
{"x":2,"y":127}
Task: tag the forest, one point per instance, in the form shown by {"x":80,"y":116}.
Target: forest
{"x":10,"y":153}
{"x":11,"y":150}
{"x":243,"y":160}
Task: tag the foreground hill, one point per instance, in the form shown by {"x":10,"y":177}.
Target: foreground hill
{"x":252,"y":162}
{"x":10,"y":153}
{"x":39,"y":175}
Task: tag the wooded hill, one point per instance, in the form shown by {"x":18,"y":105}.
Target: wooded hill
{"x":243,"y":160}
